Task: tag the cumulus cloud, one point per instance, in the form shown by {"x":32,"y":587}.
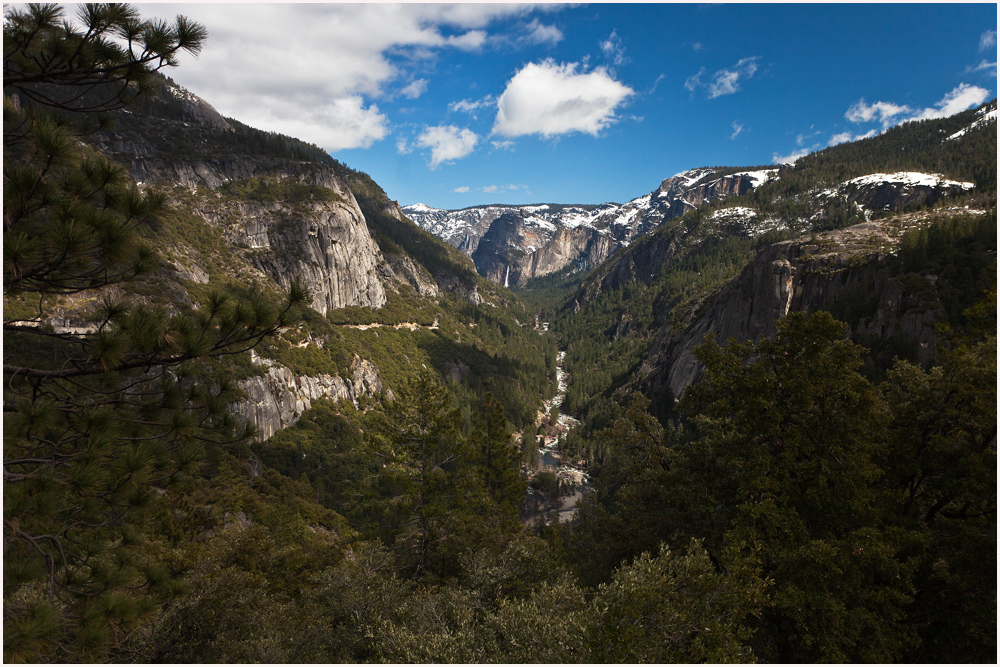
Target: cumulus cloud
{"x":959,"y":99}
{"x":462,"y":189}
{"x":789,"y":159}
{"x":884,"y":112}
{"x":491,"y":189}
{"x":339,"y":123}
{"x":841,"y":138}
{"x":290,"y":85}
{"x":725,"y":81}
{"x":988,"y":40}
{"x":415,"y":89}
{"x":447,"y":143}
{"x":613,"y":49}
{"x":549,"y":99}
{"x":737,"y":128}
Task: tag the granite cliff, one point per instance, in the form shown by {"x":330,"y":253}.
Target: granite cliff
{"x":278,"y":398}
{"x":823,"y":271}
{"x":299,"y":219}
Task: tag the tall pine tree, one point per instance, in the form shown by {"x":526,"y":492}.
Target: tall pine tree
{"x":99,"y":416}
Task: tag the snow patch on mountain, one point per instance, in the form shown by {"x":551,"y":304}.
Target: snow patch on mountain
{"x":422,"y":208}
{"x":986,"y":116}
{"x":760,"y":177}
{"x":904,"y":178}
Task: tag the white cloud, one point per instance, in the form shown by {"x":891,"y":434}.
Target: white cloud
{"x":961,"y":98}
{"x":694,"y":81}
{"x":789,"y":159}
{"x":447,"y":143}
{"x":737,"y":128}
{"x":884,"y":112}
{"x":656,"y":83}
{"x":403,"y":147}
{"x":503,"y":145}
{"x":338,"y":124}
{"x":469,"y":41}
{"x":844,"y":137}
{"x":491,"y":189}
{"x":697,"y":46}
{"x":462,"y":189}
{"x":613,"y":49}
{"x":537,"y":33}
{"x":983,"y":66}
{"x":726,"y":81}
{"x":988,"y":40}
{"x":317,"y":82}
{"x":841,"y":138}
{"x":550,"y":99}
{"x":472,"y":106}
{"x":415,"y":89}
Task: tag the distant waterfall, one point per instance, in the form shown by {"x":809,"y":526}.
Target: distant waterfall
{"x":506,"y":278}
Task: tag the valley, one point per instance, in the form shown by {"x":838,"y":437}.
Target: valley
{"x":258,"y":411}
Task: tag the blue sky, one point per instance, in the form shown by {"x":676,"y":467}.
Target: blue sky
{"x":457,"y":105}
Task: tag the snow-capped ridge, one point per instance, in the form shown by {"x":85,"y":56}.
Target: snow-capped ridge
{"x":986,"y":116}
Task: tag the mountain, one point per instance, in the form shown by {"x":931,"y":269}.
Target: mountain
{"x":822,"y":234}
{"x":253,"y":212}
{"x":512,"y":245}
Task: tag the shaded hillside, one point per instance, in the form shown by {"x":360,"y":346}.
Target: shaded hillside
{"x":651,"y":292}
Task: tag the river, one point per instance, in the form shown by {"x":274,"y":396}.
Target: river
{"x":541,"y":508}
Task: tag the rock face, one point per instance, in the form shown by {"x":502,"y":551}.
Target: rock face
{"x":500,"y":254}
{"x":783,"y":278}
{"x":277,"y":400}
{"x":323,"y":242}
{"x":513,"y":244}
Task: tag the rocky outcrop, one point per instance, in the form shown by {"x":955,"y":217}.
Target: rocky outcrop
{"x":401,"y":269}
{"x":276,"y":400}
{"x":899,"y":191}
{"x":786,"y":277}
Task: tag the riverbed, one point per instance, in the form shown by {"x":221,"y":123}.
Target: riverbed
{"x":541,"y":508}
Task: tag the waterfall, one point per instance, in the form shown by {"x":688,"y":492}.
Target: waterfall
{"x":506,"y":278}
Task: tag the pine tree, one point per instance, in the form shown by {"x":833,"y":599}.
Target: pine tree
{"x":423,"y":460}
{"x":498,"y":457}
{"x":96,"y":418}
